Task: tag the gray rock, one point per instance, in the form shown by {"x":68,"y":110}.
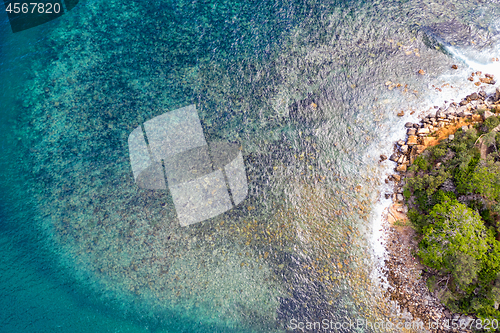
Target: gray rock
{"x":400,"y":197}
{"x":394,"y":157}
{"x":423,"y":131}
{"x":451,"y":111}
{"x":487,"y":114}
{"x":474,"y":104}
{"x":473,"y":97}
{"x":465,"y":128}
{"x":451,"y":137}
{"x":497,"y":94}
{"x":409,"y":125}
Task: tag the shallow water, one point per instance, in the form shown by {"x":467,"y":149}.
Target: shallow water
{"x":302,"y":87}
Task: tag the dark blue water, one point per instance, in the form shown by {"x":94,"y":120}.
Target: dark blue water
{"x":300,"y":85}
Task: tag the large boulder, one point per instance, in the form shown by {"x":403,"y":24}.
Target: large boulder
{"x":487,"y":114}
{"x":487,"y":80}
{"x":473,"y":97}
{"x":423,"y":131}
{"x":394,"y":157}
{"x":401,"y":168}
{"x":412,"y":140}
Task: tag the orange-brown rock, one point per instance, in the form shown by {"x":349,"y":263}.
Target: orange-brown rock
{"x":487,"y":80}
{"x":412,"y":140}
{"x":420,"y":149}
{"x":421,"y":72}
{"x":394,"y":215}
{"x":444,"y":133}
{"x":401,"y":168}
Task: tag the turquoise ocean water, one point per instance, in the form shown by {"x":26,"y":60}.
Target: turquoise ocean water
{"x":309,"y":89}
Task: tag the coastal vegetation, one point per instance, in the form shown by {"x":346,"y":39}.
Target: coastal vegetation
{"x":452,"y":191}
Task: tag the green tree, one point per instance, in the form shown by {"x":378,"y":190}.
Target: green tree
{"x":455,"y":241}
{"x":465,"y":269}
{"x":485,"y":179}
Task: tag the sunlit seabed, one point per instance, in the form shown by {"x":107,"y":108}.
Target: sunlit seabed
{"x":301,"y":245}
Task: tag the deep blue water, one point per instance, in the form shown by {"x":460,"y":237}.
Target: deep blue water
{"x":302,"y":86}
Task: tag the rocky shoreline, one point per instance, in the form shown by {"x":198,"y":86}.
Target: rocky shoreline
{"x":406,"y":276}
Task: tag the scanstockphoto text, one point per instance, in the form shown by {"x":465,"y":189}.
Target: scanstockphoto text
{"x":328,"y":325}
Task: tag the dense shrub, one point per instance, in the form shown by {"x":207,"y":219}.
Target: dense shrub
{"x":421,"y":163}
{"x":491,"y":123}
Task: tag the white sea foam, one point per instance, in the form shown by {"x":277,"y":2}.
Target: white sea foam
{"x":453,"y":86}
